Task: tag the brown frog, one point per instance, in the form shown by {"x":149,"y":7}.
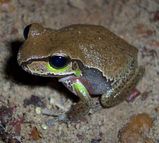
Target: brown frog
{"x":88,"y":59}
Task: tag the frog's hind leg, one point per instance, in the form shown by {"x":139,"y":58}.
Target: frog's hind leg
{"x":118,"y":94}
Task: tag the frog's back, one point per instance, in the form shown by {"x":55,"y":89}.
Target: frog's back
{"x":96,"y":47}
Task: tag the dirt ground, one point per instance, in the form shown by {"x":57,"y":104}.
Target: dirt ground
{"x":23,"y":97}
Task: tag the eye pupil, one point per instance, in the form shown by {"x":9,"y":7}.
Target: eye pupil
{"x":58,"y":61}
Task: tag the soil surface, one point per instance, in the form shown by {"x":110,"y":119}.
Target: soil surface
{"x":25,"y":99}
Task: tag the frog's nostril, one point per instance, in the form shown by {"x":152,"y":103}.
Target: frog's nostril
{"x":26,"y":31}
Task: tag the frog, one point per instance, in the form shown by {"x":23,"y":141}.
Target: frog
{"x":89,"y":60}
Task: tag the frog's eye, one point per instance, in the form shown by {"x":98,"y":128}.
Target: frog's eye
{"x":58,"y":61}
{"x":26,"y":31}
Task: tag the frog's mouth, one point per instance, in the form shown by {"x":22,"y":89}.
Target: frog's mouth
{"x":42,"y":68}
{"x":46,"y":73}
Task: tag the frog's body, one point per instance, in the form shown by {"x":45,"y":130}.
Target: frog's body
{"x":106,"y":64}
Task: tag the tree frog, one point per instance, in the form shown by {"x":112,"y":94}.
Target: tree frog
{"x":88,"y":59}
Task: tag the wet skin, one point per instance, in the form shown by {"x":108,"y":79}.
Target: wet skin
{"x":88,"y":59}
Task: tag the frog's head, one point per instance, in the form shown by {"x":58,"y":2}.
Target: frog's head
{"x":39,"y":56}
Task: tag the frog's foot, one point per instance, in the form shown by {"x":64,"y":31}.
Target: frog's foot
{"x":78,"y":111}
{"x":133,"y":94}
{"x":119,"y":94}
{"x":110,"y":100}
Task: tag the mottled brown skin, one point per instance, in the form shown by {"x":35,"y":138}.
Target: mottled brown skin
{"x":95,"y":46}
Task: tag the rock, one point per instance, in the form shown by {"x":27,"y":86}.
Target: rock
{"x":136,"y":130}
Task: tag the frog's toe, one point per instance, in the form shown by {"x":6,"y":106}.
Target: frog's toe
{"x":78,"y":111}
{"x":108,"y":101}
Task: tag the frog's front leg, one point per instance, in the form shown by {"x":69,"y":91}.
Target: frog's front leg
{"x":84,"y":105}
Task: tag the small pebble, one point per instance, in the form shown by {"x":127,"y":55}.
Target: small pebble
{"x":136,"y":129}
{"x":52,"y":101}
{"x":51,"y":122}
{"x":44,"y":126}
{"x":77,"y":3}
{"x":38,"y":110}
